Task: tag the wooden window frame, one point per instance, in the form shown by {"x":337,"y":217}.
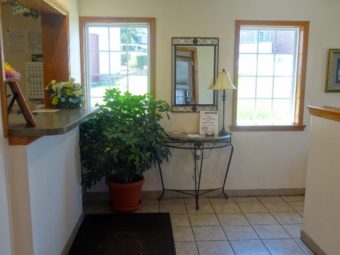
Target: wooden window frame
{"x":150,"y":21}
{"x":301,"y":74}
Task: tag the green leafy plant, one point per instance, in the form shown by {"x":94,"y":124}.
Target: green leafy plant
{"x":123,"y":139}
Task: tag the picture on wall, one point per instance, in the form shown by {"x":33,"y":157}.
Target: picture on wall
{"x":333,"y":71}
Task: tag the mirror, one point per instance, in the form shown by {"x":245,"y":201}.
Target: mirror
{"x":195,"y":61}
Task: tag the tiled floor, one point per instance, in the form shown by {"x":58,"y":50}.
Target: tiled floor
{"x":239,"y":225}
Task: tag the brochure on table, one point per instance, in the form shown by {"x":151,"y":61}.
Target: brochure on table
{"x":209,"y":123}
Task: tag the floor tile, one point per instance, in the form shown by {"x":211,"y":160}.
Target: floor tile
{"x":249,"y":247}
{"x":232,"y":219}
{"x":221,"y":200}
{"x":288,"y":217}
{"x":298,"y":206}
{"x":226,"y":208}
{"x":293,"y":198}
{"x":214,"y":248}
{"x":293,"y":230}
{"x":169,"y":200}
{"x":203,"y":209}
{"x":261,"y":218}
{"x":278,"y":206}
{"x":209,"y":233}
{"x":270,"y":199}
{"x":240,"y":200}
{"x":186,"y":248}
{"x":240,"y":232}
{"x":303,"y":247}
{"x":149,"y":206}
{"x":203,"y":220}
{"x":180,"y":220}
{"x":283,"y":247}
{"x":252,"y":207}
{"x":192,"y":201}
{"x":173,"y":208}
{"x":183,"y":234}
{"x":271,"y":231}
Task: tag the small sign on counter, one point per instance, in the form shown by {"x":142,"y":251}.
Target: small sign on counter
{"x":209,"y":123}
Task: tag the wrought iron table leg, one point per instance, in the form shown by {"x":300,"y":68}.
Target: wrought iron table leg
{"x":227,"y":170}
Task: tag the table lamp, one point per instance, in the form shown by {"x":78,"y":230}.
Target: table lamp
{"x":223,"y":83}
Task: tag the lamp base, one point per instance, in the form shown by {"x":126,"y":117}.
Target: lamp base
{"x":223,"y":133}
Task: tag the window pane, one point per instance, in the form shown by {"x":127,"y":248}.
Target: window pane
{"x":245,"y":111}
{"x":284,"y":65}
{"x":264,"y":87}
{"x":102,"y":35}
{"x":283,"y":87}
{"x":266,"y":41}
{"x":115,"y":44}
{"x":246,"y":87}
{"x":104,"y":63}
{"x":116,"y":59}
{"x":265,"y":64}
{"x":122,"y":83}
{"x":263,"y":111}
{"x":248,"y":41}
{"x":247,"y":64}
{"x":282,"y":112}
{"x":99,"y":90}
{"x":138,"y":84}
{"x":285,"y":41}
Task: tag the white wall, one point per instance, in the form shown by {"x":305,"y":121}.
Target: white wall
{"x":5,"y":208}
{"x":322,"y":203}
{"x":263,"y":160}
{"x":46,"y":193}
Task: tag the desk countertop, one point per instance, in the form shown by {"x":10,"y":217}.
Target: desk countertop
{"x":52,"y":123}
{"x":326,"y":112}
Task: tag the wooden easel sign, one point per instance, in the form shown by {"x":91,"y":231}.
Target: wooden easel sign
{"x":20,"y":99}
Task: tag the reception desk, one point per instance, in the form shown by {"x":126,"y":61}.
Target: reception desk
{"x":44,"y":181}
{"x":321,"y":227}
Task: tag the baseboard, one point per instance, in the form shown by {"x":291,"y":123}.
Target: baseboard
{"x":70,"y":240}
{"x":233,"y":193}
{"x":311,"y":244}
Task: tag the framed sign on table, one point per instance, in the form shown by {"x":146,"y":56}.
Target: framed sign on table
{"x":18,"y":96}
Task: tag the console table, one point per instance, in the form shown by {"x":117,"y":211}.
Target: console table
{"x":199,"y":145}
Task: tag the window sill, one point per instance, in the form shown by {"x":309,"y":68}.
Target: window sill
{"x":268,"y":128}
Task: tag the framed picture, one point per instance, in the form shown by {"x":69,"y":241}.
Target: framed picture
{"x":20,"y":99}
{"x":333,"y":71}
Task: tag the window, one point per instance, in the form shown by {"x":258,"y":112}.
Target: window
{"x":270,"y":66}
{"x":118,"y":53}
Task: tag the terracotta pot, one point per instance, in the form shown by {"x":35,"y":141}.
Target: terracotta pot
{"x":125,"y":197}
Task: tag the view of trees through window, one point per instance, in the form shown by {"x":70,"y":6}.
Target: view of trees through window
{"x":117,"y":57}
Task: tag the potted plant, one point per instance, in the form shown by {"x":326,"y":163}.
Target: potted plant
{"x":120,"y":142}
{"x":66,"y":94}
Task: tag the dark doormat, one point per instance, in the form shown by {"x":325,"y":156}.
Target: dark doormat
{"x":124,"y":234}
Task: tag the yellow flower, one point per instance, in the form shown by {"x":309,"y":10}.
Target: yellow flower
{"x":69,"y":92}
{"x":55,"y":100}
{"x":8,"y":68}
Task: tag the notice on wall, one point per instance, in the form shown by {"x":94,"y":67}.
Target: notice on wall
{"x":208,"y":122}
{"x":17,"y":41}
{"x":34,"y":41}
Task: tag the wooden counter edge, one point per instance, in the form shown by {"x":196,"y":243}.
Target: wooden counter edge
{"x":326,"y":112}
{"x":21,"y":140}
